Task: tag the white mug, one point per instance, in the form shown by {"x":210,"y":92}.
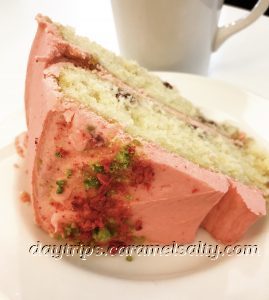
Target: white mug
{"x":175,"y":35}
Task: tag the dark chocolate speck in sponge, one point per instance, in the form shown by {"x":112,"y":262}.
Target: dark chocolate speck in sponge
{"x":168,"y":85}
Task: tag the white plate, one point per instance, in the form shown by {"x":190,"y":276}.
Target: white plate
{"x":24,"y":276}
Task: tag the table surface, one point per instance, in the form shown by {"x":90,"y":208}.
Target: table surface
{"x":243,"y":60}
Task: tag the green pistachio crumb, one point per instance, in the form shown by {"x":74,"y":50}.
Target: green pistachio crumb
{"x":114,"y":167}
{"x":71,"y":230}
{"x":60,"y":186}
{"x":123,"y":157}
{"x":91,"y":183}
{"x":101,"y":234}
{"x":129,"y":258}
{"x":58,"y":154}
{"x":98,"y":168}
{"x":69,"y":173}
{"x":122,"y":160}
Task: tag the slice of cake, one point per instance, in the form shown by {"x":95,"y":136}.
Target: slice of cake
{"x":116,"y":155}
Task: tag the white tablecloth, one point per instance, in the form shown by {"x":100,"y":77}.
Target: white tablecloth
{"x":243,"y":60}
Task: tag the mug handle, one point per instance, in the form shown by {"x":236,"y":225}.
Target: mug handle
{"x":224,"y":32}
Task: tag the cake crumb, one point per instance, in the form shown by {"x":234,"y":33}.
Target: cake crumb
{"x":25,"y":197}
{"x":21,"y":142}
{"x":239,"y":135}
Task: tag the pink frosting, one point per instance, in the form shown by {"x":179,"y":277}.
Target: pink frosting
{"x":235,"y":213}
{"x":39,"y":97}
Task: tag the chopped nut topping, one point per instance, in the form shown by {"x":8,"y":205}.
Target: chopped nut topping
{"x":60,"y":186}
